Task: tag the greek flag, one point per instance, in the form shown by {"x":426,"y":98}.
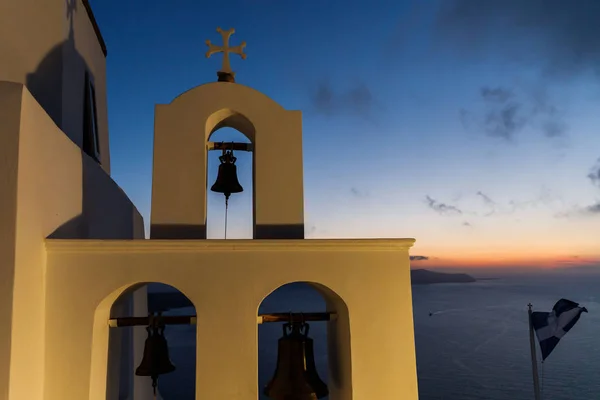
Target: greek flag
{"x":551,"y":326}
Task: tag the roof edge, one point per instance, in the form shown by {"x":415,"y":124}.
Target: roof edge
{"x":228,"y":245}
{"x":90,"y":14}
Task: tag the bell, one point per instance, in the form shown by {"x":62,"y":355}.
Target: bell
{"x":227,"y":180}
{"x":156,"y":359}
{"x":296,"y":376}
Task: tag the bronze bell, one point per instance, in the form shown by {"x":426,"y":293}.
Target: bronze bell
{"x":296,"y":376}
{"x":227,"y":180}
{"x":156,"y":360}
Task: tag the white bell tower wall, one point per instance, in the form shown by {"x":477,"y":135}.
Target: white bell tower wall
{"x":179,"y":182}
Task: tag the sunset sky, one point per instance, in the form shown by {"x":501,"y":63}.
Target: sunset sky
{"x":472,"y":126}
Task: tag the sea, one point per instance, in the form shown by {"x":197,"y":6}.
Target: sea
{"x":475,"y":345}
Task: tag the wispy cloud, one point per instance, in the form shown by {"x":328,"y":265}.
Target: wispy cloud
{"x":579,"y":211}
{"x":486,"y":206}
{"x":507,"y":112}
{"x":442,"y":208}
{"x":594,"y":174}
{"x":419,"y":258}
{"x":354,"y":191}
{"x":591,"y":209}
{"x":559,"y":37}
{"x":356,"y":100}
{"x":594,"y":177}
{"x":491,"y":204}
{"x":578,"y":261}
{"x":504,"y":116}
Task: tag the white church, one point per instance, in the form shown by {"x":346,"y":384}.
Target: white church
{"x":74,"y":257}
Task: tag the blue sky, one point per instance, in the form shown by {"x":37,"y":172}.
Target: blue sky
{"x":471,"y":126}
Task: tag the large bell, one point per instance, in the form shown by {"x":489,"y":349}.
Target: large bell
{"x":156,"y":360}
{"x":227,"y":180}
{"x":296,"y":376}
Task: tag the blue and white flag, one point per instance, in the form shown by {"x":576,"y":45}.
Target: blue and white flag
{"x":551,"y":326}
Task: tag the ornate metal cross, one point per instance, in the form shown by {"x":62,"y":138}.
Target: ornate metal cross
{"x":225,"y":49}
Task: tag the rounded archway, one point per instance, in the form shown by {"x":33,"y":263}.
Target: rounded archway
{"x":331,"y":339}
{"x":126,"y":343}
{"x":182,"y":130}
{"x":239,"y":221}
{"x":228,"y":118}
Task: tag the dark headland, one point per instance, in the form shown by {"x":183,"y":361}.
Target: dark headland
{"x":426,"y":277}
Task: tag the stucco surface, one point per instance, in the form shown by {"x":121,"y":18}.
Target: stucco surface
{"x":49,"y":189}
{"x":48,"y":48}
{"x":367,"y":282}
{"x":182,"y":129}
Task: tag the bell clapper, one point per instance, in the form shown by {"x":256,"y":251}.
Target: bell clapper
{"x":154,"y":385}
{"x":226,"y":208}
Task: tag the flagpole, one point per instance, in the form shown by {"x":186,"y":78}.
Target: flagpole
{"x":534,"y":369}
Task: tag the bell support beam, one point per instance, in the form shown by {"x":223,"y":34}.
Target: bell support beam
{"x":236,"y":146}
{"x":192,"y":319}
{"x":296,"y":317}
{"x":145,"y":321}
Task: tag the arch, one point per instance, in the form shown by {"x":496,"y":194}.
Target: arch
{"x":240,"y":205}
{"x":233,"y":105}
{"x":209,"y":89}
{"x":228,"y":118}
{"x":339,"y":379}
{"x":182,"y":129}
{"x":327,"y":293}
{"x":102,"y":383}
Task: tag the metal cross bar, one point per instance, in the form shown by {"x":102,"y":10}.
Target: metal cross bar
{"x":237,"y":146}
{"x":193,"y":320}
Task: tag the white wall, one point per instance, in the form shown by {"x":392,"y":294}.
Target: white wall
{"x":59,"y":192}
{"x":10,"y":115}
{"x":182,"y":129}
{"x":38,"y":49}
{"x":81,"y":53}
{"x":367,"y":282}
{"x":32,"y":33}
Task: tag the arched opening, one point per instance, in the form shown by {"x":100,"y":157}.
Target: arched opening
{"x":240,"y":208}
{"x":126,"y":344}
{"x":331,"y":339}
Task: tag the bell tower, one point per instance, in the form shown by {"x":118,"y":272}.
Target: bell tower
{"x":61,"y":336}
{"x":182,"y":131}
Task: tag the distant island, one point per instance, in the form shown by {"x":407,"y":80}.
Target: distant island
{"x":426,"y":277}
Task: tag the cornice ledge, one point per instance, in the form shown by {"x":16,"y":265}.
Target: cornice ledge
{"x":217,"y":245}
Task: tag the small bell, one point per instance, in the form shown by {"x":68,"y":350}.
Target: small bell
{"x":227,"y":180}
{"x":296,"y":376}
{"x":156,"y":360}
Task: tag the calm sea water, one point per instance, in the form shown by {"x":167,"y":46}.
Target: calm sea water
{"x":475,"y":346}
